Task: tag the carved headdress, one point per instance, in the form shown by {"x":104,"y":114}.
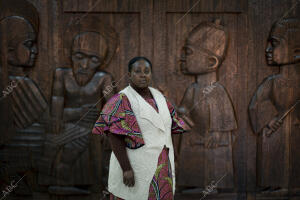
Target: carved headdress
{"x":93,"y":32}
{"x":20,"y":8}
{"x":211,"y":37}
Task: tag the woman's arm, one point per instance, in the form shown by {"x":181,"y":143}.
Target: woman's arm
{"x":118,"y":147}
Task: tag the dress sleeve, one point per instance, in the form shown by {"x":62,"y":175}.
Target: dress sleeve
{"x":178,"y":125}
{"x":118,"y":118}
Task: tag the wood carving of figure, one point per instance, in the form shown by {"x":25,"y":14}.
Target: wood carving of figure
{"x":18,"y":38}
{"x":28,"y":102}
{"x":206,"y":153}
{"x":76,"y":91}
{"x":274,"y":112}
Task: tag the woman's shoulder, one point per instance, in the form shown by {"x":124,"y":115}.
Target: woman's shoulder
{"x":117,"y":97}
{"x":169,"y":104}
{"x":116,"y":102}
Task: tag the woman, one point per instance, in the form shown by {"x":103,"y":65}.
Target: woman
{"x":139,"y":122}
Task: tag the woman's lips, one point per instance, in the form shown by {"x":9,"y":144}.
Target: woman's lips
{"x":143,"y":81}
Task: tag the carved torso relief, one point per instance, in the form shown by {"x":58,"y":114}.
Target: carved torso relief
{"x":207,"y":104}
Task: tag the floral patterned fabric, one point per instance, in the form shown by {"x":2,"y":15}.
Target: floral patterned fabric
{"x":161,"y":187}
{"x":117,"y":117}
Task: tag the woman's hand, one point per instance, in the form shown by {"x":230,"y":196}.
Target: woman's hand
{"x":128,"y":178}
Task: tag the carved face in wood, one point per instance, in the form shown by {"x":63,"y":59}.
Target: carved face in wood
{"x":88,"y":54}
{"x":204,"y":49}
{"x":140,"y":74}
{"x":283,"y":45}
{"x":21,"y":40}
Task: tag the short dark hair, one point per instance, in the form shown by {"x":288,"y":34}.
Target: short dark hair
{"x":135,"y":59}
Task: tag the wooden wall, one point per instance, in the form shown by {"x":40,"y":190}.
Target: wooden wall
{"x":158,"y":30}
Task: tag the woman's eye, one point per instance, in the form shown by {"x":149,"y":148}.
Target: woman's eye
{"x":95,"y":59}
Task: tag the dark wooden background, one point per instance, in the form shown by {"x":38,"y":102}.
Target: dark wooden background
{"x":149,"y":28}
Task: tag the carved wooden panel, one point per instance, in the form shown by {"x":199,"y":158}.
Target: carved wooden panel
{"x":60,"y":58}
{"x":273,"y":111}
{"x":67,"y":167}
{"x":208,"y":106}
{"x":205,"y":97}
{"x":24,"y":98}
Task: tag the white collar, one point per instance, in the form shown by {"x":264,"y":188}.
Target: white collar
{"x":146,"y":111}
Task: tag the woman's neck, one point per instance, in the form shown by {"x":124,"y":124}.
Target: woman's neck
{"x":144,"y":92}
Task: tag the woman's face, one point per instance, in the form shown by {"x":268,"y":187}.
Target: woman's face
{"x":140,"y":75}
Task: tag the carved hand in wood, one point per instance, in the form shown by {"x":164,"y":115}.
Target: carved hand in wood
{"x":212,"y":141}
{"x":89,"y":113}
{"x":272,"y":126}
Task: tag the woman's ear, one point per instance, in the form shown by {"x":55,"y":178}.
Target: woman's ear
{"x":213,"y":61}
{"x":129,"y":75}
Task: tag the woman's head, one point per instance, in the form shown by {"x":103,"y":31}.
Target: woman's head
{"x":140,"y":72}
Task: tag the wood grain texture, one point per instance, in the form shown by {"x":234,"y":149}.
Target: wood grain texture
{"x":157,"y":29}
